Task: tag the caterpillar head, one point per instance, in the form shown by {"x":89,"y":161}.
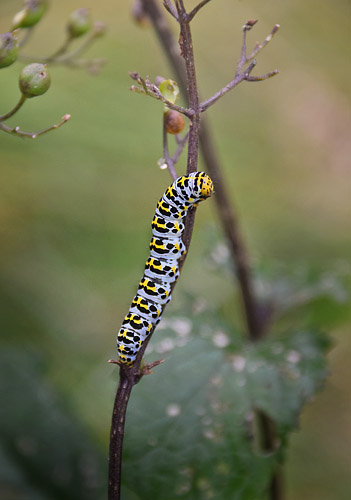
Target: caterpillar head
{"x":202,"y":185}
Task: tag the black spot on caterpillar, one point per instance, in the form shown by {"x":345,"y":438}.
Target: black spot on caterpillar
{"x":162,"y":267}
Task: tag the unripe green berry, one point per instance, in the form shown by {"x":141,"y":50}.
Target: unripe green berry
{"x":31,"y":14}
{"x":8,"y":49}
{"x":169,"y":90}
{"x":79,"y":23}
{"x":34,"y":80}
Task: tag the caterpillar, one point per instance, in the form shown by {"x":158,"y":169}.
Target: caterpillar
{"x":162,"y":266}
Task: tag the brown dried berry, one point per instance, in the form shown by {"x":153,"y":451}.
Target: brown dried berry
{"x":174,"y":122}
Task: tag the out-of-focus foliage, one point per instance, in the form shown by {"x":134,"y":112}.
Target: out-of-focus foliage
{"x":45,"y":453}
{"x":195,"y":437}
{"x":75,"y":212}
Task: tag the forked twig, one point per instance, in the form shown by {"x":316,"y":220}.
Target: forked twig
{"x":34,"y":135}
{"x":242,"y":73}
{"x":147,"y":88}
{"x":62,"y":56}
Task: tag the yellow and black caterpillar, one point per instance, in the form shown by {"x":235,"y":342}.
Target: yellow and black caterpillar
{"x":162,"y":267}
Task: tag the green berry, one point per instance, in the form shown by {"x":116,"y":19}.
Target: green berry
{"x":79,"y":23}
{"x":8,"y":49}
{"x":169,"y":90}
{"x":34,"y":80}
{"x":31,"y":14}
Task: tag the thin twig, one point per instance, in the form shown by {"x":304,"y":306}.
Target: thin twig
{"x":240,"y":73}
{"x":20,"y":103}
{"x":63,"y":57}
{"x":152,"y":90}
{"x":209,"y":102}
{"x":33,"y":135}
{"x":196,"y":10}
{"x":170,"y":9}
{"x":262,"y":45}
{"x":54,"y":57}
{"x":27,"y":35}
{"x":61,"y":50}
{"x":249,"y":78}
{"x":181,"y":141}
{"x":166,"y":155}
{"x":96,"y":32}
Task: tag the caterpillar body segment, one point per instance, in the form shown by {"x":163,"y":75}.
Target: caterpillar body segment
{"x":155,"y":291}
{"x":162,"y":266}
{"x":138,"y":324}
{"x":169,"y":228}
{"x":169,"y":211}
{"x":148,"y":309}
{"x":162,"y":269}
{"x":172,"y":248}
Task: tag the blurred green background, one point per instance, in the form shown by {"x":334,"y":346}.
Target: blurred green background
{"x":75,"y":205}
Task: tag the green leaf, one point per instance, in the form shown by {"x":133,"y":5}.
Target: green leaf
{"x":190,"y":424}
{"x":282,"y":373}
{"x":178,"y":443}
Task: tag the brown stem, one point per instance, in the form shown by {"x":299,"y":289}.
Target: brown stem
{"x":117,"y":434}
{"x":129,"y":376}
{"x":186,"y":47}
{"x":268,"y":443}
{"x":227,"y":215}
{"x":187,"y":52}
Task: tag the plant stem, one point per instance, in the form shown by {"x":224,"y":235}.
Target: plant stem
{"x":33,"y":135}
{"x":129,"y":376}
{"x":166,"y":155}
{"x":226,"y":212}
{"x":117,"y":434}
{"x":186,"y":46}
{"x":227,"y":215}
{"x":20,"y":103}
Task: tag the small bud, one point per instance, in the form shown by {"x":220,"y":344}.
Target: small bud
{"x":31,"y":14}
{"x":162,"y":164}
{"x":250,"y":24}
{"x":170,"y":90}
{"x":174,"y":122}
{"x":79,"y":23}
{"x":8,"y":49}
{"x":34,"y":80}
